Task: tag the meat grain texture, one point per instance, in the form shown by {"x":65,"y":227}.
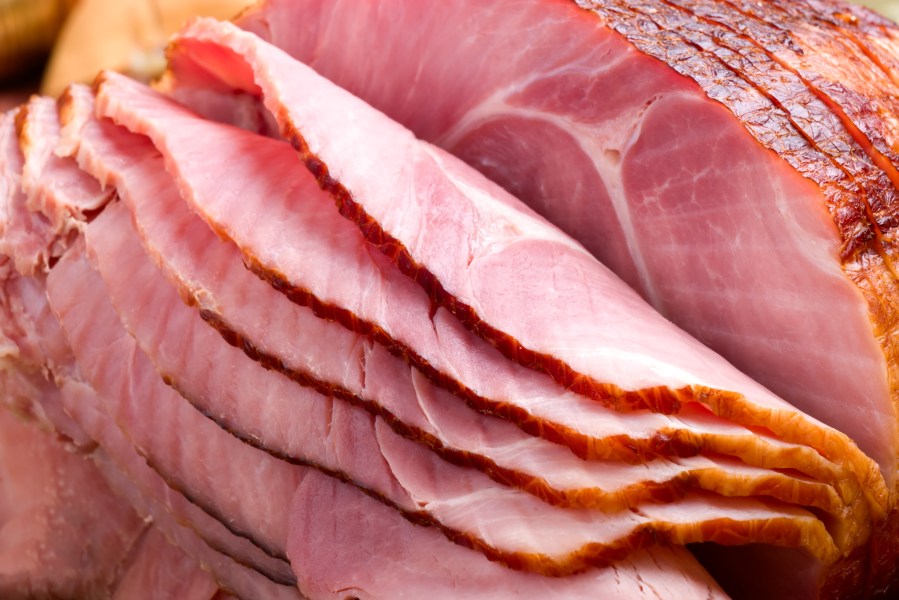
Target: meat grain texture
{"x":540,"y":297}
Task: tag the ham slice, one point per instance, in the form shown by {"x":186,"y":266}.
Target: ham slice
{"x":63,"y":534}
{"x":26,"y":237}
{"x":382,"y":556}
{"x":607,"y":121}
{"x":54,"y":186}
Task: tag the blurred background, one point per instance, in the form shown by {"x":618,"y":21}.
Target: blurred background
{"x":45,"y":44}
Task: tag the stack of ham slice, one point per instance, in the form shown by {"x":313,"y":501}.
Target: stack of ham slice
{"x":327,"y":359}
{"x":733,"y":161}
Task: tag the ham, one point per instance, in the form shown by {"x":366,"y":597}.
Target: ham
{"x":326,"y":358}
{"x":62,"y":532}
{"x":255,"y":404}
{"x":320,"y":229}
{"x":207,"y":472}
{"x":26,"y":237}
{"x":618,"y":154}
{"x":54,"y":186}
{"x":439,"y":190}
{"x":211,"y":274}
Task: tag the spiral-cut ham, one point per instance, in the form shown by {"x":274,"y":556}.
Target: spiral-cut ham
{"x":400,"y":304}
{"x":212,"y":276}
{"x":256,"y":405}
{"x":730,"y":147}
{"x":327,"y":358}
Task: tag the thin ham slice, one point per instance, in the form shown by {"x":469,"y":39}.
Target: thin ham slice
{"x":54,"y":186}
{"x":377,"y":555}
{"x":26,"y":237}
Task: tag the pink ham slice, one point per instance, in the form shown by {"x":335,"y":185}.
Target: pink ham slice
{"x":315,"y":234}
{"x":54,"y":186}
{"x":63,"y":533}
{"x":213,"y":276}
{"x":214,"y":469}
{"x":26,"y":237}
{"x":608,"y":120}
{"x":157,"y":570}
{"x":376,"y":555}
